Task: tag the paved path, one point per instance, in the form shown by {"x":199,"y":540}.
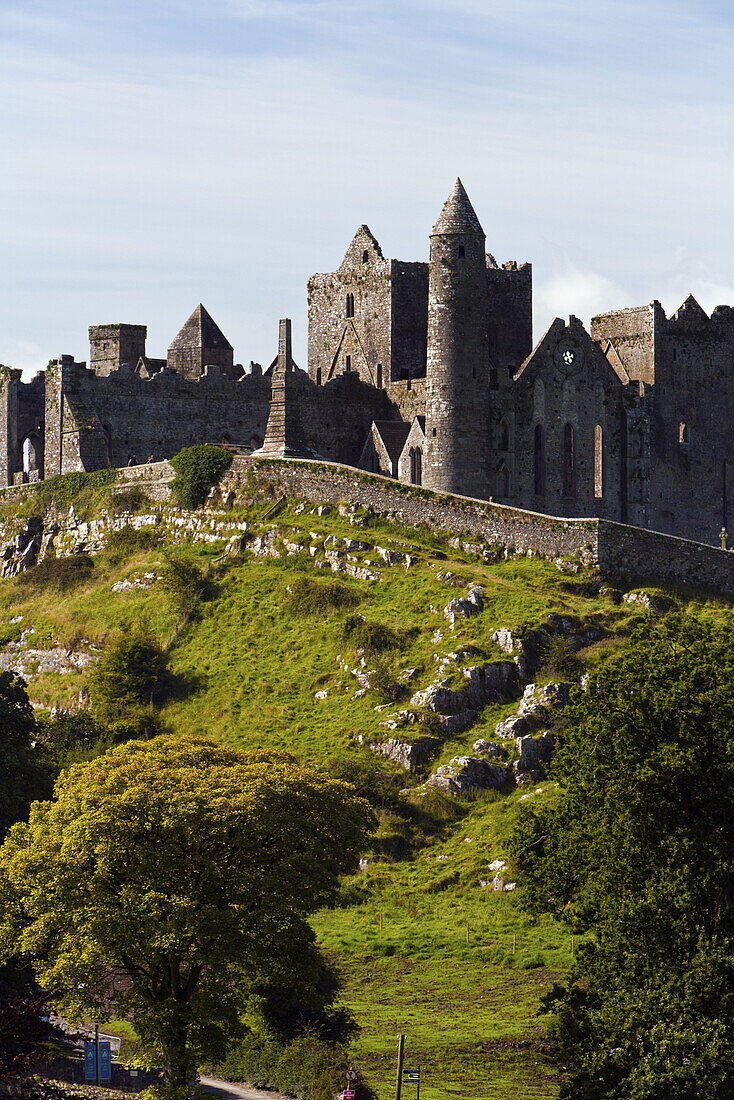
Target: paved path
{"x":226,"y":1090}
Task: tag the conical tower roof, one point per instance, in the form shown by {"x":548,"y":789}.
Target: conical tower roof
{"x":201,"y":331}
{"x":458,"y":214}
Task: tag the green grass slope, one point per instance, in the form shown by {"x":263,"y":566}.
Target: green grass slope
{"x":423,"y":947}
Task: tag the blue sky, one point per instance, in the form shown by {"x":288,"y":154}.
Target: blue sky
{"x":154,"y":155}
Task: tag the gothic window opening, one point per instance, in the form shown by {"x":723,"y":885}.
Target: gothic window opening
{"x":350,"y":305}
{"x":30,"y":455}
{"x":569,"y":462}
{"x":598,"y":462}
{"x":416,"y":465}
{"x":365,"y":256}
{"x":504,"y":436}
{"x":379,"y":376}
{"x":461,"y":252}
{"x":539,"y":461}
{"x":682,"y":432}
{"x":318,"y":376}
{"x":348,"y":363}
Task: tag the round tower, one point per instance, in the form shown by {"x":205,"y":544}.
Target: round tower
{"x":457,"y":382}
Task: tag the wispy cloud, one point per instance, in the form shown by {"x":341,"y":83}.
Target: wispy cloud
{"x":161,"y":154}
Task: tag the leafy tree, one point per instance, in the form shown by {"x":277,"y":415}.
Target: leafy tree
{"x":638,"y":847}
{"x":165,"y":875}
{"x":184,"y":583}
{"x":197,"y":469}
{"x":127,"y":675}
{"x":24,"y":776}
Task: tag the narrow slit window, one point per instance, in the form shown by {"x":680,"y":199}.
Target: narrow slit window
{"x":682,"y":432}
{"x":348,"y":363}
{"x":539,"y":461}
{"x":598,"y":462}
{"x":461,"y":252}
{"x":569,"y":461}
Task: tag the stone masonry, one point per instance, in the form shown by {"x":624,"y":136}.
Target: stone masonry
{"x":425,"y":371}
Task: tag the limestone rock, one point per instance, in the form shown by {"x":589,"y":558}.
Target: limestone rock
{"x":468,"y":773}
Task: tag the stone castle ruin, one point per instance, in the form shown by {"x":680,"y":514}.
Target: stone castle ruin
{"x":427,"y":373}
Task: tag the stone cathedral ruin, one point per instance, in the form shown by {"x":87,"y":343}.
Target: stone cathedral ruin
{"x":424,"y":372}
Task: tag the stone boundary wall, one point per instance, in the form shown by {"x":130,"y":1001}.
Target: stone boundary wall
{"x":630,"y":554}
{"x":498,"y":524}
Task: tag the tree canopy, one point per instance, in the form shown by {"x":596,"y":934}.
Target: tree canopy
{"x":637,"y":846}
{"x":165,"y":874}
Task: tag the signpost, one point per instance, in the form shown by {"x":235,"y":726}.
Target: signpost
{"x":413,"y":1077}
{"x":348,"y":1093}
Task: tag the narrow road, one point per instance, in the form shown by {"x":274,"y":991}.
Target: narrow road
{"x":225,"y":1090}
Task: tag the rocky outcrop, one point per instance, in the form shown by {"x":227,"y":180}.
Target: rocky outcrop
{"x":465,"y":606}
{"x":465,"y":774}
{"x":408,"y":754}
{"x":24,"y":550}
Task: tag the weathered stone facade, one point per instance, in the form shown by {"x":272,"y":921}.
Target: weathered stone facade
{"x":424,"y":372}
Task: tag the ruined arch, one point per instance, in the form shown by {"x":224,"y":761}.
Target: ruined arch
{"x":416,"y":465}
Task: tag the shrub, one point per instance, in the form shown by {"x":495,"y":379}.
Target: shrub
{"x":384,"y":683}
{"x":308,"y":597}
{"x":63,"y":489}
{"x":197,"y":469}
{"x":184,"y":583}
{"x":371,"y":637}
{"x":306,"y":1068}
{"x":127,"y":675}
{"x":58,"y":574}
{"x":560,"y":658}
{"x":127,"y":541}
{"x":133,"y":499}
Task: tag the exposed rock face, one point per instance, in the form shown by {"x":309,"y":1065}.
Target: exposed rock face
{"x":468,"y":773}
{"x":465,"y":606}
{"x":534,"y":754}
{"x":23,"y":552}
{"x":408,"y":754}
{"x":489,"y":748}
{"x":31,"y":662}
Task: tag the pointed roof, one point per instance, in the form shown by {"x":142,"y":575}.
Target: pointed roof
{"x":458,"y":214}
{"x":691,"y":308}
{"x":201,"y":331}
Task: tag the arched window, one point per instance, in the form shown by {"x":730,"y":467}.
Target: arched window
{"x":416,"y":465}
{"x":350,"y":305}
{"x":30,"y":455}
{"x":682,"y":432}
{"x":539,"y":461}
{"x":348,"y":363}
{"x":365,"y":256}
{"x":569,"y":462}
{"x":504,"y":436}
{"x":598,"y":462}
{"x":461,"y":252}
{"x":379,"y":376}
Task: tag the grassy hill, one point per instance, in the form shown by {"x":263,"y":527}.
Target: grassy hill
{"x":422,"y":945}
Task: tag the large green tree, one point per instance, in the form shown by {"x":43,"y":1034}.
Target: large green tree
{"x":637,"y":847}
{"x":165,"y":874}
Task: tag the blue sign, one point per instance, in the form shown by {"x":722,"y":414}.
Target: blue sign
{"x":105,"y":1062}
{"x":90,"y":1062}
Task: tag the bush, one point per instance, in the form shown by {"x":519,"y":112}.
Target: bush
{"x":58,"y":574}
{"x":384,"y":683}
{"x":63,"y":489}
{"x":185,"y":583}
{"x":309,"y":597}
{"x":127,"y":675}
{"x":306,"y":1068}
{"x":371,"y":637}
{"x":133,"y":499}
{"x":560,"y":658}
{"x":197,"y":469}
{"x":127,"y":541}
